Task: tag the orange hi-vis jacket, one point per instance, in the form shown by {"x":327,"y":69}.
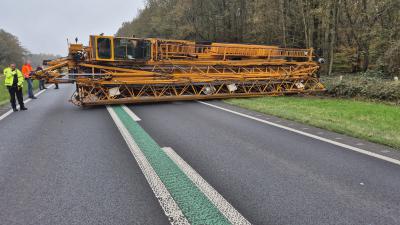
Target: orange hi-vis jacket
{"x":26,"y":70}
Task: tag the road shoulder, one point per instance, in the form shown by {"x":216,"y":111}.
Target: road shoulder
{"x":345,"y":139}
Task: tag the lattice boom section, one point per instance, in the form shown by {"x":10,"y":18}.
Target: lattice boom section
{"x":98,"y":94}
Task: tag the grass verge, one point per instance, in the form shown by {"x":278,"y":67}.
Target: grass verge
{"x":4,"y":96}
{"x":371,"y":121}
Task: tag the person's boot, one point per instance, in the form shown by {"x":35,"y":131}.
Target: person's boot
{"x":24,"y":108}
{"x":15,"y":109}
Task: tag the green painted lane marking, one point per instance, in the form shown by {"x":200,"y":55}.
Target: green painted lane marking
{"x":196,"y":207}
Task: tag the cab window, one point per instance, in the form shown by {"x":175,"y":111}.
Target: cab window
{"x":104,"y":48}
{"x":130,"y":49}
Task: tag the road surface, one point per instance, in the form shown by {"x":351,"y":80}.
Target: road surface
{"x":60,"y":164}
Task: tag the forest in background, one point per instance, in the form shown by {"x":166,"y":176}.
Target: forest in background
{"x":12,"y":51}
{"x":353,"y":35}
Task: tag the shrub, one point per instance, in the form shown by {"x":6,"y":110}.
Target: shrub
{"x":363,"y":86}
{"x":390,"y":62}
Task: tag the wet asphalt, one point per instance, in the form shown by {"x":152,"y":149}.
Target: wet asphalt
{"x":60,"y":164}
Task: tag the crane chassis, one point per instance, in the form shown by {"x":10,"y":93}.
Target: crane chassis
{"x":120,"y":70}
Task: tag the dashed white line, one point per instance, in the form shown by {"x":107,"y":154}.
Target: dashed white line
{"x":218,"y":200}
{"x":168,"y":204}
{"x":349,"y":147}
{"x":130,"y":113}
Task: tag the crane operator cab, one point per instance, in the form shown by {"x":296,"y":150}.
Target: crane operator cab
{"x":108,"y":48}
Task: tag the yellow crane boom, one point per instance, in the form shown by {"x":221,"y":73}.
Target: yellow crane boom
{"x":119,"y":70}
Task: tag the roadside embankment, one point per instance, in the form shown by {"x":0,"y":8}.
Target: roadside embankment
{"x":372,"y":121}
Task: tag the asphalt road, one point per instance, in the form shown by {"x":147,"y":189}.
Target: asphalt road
{"x":60,"y":164}
{"x":273,"y":176}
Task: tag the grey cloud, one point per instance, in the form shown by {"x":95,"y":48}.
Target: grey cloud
{"x":43,"y":26}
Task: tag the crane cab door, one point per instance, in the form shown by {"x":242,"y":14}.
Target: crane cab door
{"x":103,"y":47}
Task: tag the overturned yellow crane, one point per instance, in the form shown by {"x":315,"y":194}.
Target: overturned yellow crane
{"x":119,"y":70}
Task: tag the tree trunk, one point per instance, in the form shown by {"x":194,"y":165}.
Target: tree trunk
{"x":335,"y":12}
{"x":365,"y":58}
{"x":305,"y":23}
{"x":283,"y":6}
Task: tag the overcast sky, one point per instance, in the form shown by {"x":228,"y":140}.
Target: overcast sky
{"x":43,"y":26}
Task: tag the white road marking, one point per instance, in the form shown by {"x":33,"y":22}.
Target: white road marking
{"x":9,"y":112}
{"x":5,"y":115}
{"x":131,"y":113}
{"x":359,"y":150}
{"x":40,"y":92}
{"x":218,"y":200}
{"x":168,"y":204}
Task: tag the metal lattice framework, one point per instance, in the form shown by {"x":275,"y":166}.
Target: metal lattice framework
{"x":183,"y":70}
{"x":97,"y":94}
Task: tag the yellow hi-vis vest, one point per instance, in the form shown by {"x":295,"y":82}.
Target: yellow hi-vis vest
{"x":9,"y":74}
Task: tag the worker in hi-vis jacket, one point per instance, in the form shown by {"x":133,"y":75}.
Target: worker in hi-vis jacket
{"x":14,"y":81}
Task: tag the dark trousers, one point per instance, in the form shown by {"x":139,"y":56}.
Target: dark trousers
{"x":18,"y":92}
{"x":41,"y":85}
